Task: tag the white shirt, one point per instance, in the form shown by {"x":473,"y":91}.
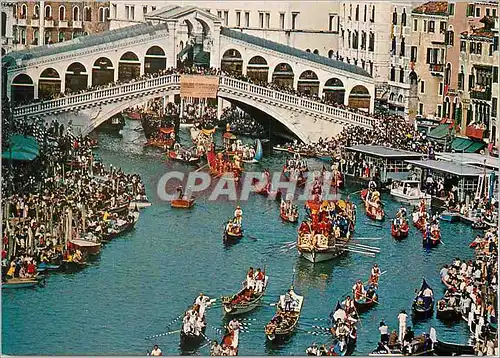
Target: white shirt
{"x":383,"y":329}
{"x":156,"y":352}
{"x":402,"y":318}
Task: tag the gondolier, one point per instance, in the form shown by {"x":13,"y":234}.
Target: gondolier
{"x":156,"y":352}
{"x":250,"y":279}
{"x":402,"y":324}
{"x":375,"y":275}
{"x":259,"y":280}
{"x":238,"y":214}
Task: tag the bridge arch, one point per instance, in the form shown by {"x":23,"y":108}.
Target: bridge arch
{"x":129,"y":66}
{"x":258,"y":69}
{"x":76,"y":78}
{"x":102,"y":72}
{"x":359,"y":97}
{"x":155,"y":60}
{"x":23,"y":88}
{"x":49,"y":84}
{"x":283,"y":75}
{"x":308,"y":83}
{"x":232,"y":62}
{"x":334,"y":90}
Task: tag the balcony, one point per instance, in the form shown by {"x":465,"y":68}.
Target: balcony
{"x":475,"y":132}
{"x":35,"y":22}
{"x":63,"y":24}
{"x":484,"y":95}
{"x":436,"y":69}
{"x":21,"y":22}
{"x":77,"y":24}
{"x":49,"y":23}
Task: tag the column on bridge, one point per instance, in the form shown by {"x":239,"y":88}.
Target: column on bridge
{"x":171,"y":47}
{"x":181,"y":114}
{"x":220,"y":104}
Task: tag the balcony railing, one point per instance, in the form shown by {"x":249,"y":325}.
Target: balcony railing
{"x":77,"y":24}
{"x":49,"y":23}
{"x":35,"y":22}
{"x":21,"y":22}
{"x":436,"y":68}
{"x":479,"y":94}
{"x":63,"y":24}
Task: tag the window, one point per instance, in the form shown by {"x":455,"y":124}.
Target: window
{"x":439,"y":110}
{"x":479,"y":48}
{"x":440,"y":88}
{"x":101,"y":14}
{"x":330,"y":22}
{"x":294,"y":19}
{"x":47,"y":38}
{"x":363,"y":40}
{"x":114,"y":11}
{"x":393,"y":46}
{"x":355,"y":39}
{"x":106,"y":13}
{"x":371,"y":68}
{"x":356,"y":15}
{"x":144,"y":10}
{"x":478,"y":12}
{"x":87,"y":13}
{"x":48,"y":12}
{"x":268,"y":20}
{"x":460,"y":84}
{"x":413,"y":54}
{"x":401,"y":75}
{"x":494,"y":13}
{"x":350,"y":12}
{"x":23,"y":36}
{"x":36,"y":12}
{"x":402,"y":50}
{"x":432,"y":25}
{"x":76,"y":13}
{"x":494,"y":104}
{"x":371,"y":42}
{"x":247,"y":19}
{"x":261,"y":20}
{"x":219,"y":14}
{"x":372,"y":19}
{"x":490,"y":50}
{"x":238,"y":18}
{"x":393,"y":74}
{"x":442,"y":27}
{"x":471,"y":82}
{"x":470,"y":10}
{"x":450,"y":38}
{"x":451,"y":9}
{"x":35,"y":37}
{"x":421,"y":109}
{"x":425,"y":25}
{"x":364,"y":14}
{"x":422,"y":87}
{"x":463,"y":46}
{"x":403,"y":18}
{"x":62,"y":13}
{"x":488,"y":12}
{"x":472,"y":47}
{"x":61,"y":37}
{"x":153,"y":8}
{"x":495,"y":74}
{"x":282,"y":20}
{"x":24,"y":11}
{"x":415,"y":25}
{"x":395,"y":17}
{"x":226,"y":18}
{"x":132,"y":12}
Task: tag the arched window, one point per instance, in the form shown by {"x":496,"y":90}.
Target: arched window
{"x":106,"y":13}
{"x":393,"y":74}
{"x":395,"y":17}
{"x":308,"y":50}
{"x":316,"y":52}
{"x":450,"y":38}
{"x":23,"y":36}
{"x":4,"y":23}
{"x":101,"y":14}
{"x":47,"y":37}
{"x":373,"y":14}
{"x":371,"y":42}
{"x":61,"y":36}
{"x":87,"y":14}
{"x":36,"y":34}
{"x":401,"y":75}
{"x":330,"y":54}
{"x":62,"y":13}
{"x":76,"y":13}
{"x":24,"y":11}
{"x":403,"y":18}
{"x":350,"y":11}
{"x":48,"y":12}
{"x":402,"y":50}
{"x":365,"y":13}
{"x":36,"y":12}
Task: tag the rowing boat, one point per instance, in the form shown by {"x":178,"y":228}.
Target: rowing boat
{"x":236,"y":304}
{"x":423,"y":306}
{"x":401,"y":232}
{"x":183,"y":203}
{"x":20,"y":283}
{"x":285,"y":320}
{"x":232,"y":233}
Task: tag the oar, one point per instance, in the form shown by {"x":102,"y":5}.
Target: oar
{"x":367,"y":238}
{"x":174,"y":320}
{"x":371,"y":254}
{"x":315,"y":326}
{"x":162,"y":334}
{"x":200,"y":168}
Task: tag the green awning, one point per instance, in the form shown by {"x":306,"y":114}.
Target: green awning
{"x":202,"y":58}
{"x":21,"y":148}
{"x":184,"y":51}
{"x":466,"y":145}
{"x":440,"y":131}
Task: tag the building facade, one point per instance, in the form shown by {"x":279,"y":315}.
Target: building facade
{"x":47,"y":22}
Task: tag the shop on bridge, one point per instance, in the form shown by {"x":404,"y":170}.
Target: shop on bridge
{"x":360,"y":98}
{"x":232,"y":62}
{"x":23,"y":89}
{"x":258,"y":69}
{"x":155,"y":60}
{"x":283,"y":75}
{"x":334,"y":91}
{"x":76,"y":78}
{"x":129,"y":67}
{"x":49,"y":84}
{"x":308,"y":83}
{"x":103,"y":72}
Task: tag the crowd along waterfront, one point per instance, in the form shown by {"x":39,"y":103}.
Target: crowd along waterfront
{"x":144,"y":280}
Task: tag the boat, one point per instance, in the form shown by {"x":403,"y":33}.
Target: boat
{"x":291,"y":217}
{"x":422,"y":306}
{"x":374,"y":212}
{"x":89,"y":247}
{"x":231,"y":340}
{"x":480,"y":225}
{"x":20,"y":283}
{"x":345,"y":343}
{"x":449,"y":216}
{"x":258,"y":153}
{"x":164,"y":139}
{"x":72,"y":266}
{"x":186,"y":159}
{"x":231,"y":174}
{"x":183,"y":203}
{"x":300,"y":180}
{"x":431,"y":238}
{"x":400,"y":232}
{"x":139,"y":204}
{"x":284,"y":322}
{"x":235,"y":305}
{"x":119,"y":227}
{"x":423,"y":345}
{"x":408,"y":191}
{"x":366,"y":301}
{"x":445,"y":312}
{"x":131,"y":115}
{"x":442,"y":348}
{"x":191,"y":339}
{"x":45,"y":266}
{"x":120,"y":208}
{"x":232,"y":232}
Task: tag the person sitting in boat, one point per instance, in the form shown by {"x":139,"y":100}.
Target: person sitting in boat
{"x":77,"y":257}
{"x":375,"y":274}
{"x":238,"y":214}
{"x":215,"y":349}
{"x":358,"y":290}
{"x":427,"y":294}
{"x":156,"y":352}
{"x":259,"y":280}
{"x":250,"y":279}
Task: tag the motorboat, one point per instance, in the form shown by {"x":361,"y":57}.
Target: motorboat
{"x":408,"y":191}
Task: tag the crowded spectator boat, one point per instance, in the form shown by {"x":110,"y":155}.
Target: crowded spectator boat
{"x":326,"y":233}
{"x":229,"y":343}
{"x":373,"y":204}
{"x":343,"y":326}
{"x":117,"y":226}
{"x":163,"y":139}
{"x":422,"y":345}
{"x":194,"y":322}
{"x":447,"y":308}
{"x":220,"y":167}
{"x":399,"y":226}
{"x":87,"y":246}
{"x":408,"y":191}
{"x":287,"y":316}
{"x":250,"y":295}
{"x":423,"y":303}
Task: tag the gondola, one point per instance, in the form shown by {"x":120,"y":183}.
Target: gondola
{"x":230,"y":339}
{"x":400,"y":232}
{"x":445,"y":312}
{"x":368,"y":300}
{"x":191,"y":339}
{"x":423,"y":307}
{"x":192,"y":159}
{"x":231,"y":235}
{"x":120,"y":227}
{"x":182,"y":203}
{"x":284,"y":322}
{"x":452,"y":349}
{"x":379,"y":214}
{"x":432,"y":239}
{"x":258,"y":153}
{"x":479,"y":225}
{"x":72,"y":266}
{"x":234,"y":305}
{"x":292,"y":217}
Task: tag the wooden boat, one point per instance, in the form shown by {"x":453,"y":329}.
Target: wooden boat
{"x":480,"y":225}
{"x":232,"y":234}
{"x":132,"y":115}
{"x":293,"y":217}
{"x":420,"y":346}
{"x":423,"y":307}
{"x":191,"y":339}
{"x":432,"y":239}
{"x":408,"y":191}
{"x":233,"y":305}
{"x":258,"y":153}
{"x":45,"y":266}
{"x":139,"y":204}
{"x":368,"y":300}
{"x":445,"y":312}
{"x":21,"y":283}
{"x":400,"y":232}
{"x":442,"y":348}
{"x":72,"y":266}
{"x":183,"y":203}
{"x":89,"y":247}
{"x":449,"y":216}
{"x":283,"y":323}
{"x":121,"y":208}
{"x":119,"y":227}
{"x":163,"y":139}
{"x":233,"y":175}
{"x":373,"y":212}
{"x":193,"y":159}
{"x":230,"y":339}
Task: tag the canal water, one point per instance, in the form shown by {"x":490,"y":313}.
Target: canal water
{"x":147,"y":278}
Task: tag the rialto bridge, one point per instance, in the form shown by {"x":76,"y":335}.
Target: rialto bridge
{"x":172,"y":37}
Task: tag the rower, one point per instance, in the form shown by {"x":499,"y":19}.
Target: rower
{"x":250,"y":279}
{"x":259,"y":281}
{"x":238,"y":213}
{"x":233,"y":325}
{"x":375,"y":275}
{"x":349,"y":305}
{"x":288,"y":300}
{"x":156,"y":352}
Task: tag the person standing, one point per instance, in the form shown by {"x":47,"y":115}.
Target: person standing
{"x":402,"y":324}
{"x":384,"y":332}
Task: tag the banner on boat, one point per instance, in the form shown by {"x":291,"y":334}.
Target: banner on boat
{"x":199,"y":86}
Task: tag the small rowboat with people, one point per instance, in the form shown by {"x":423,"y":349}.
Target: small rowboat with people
{"x":445,"y":311}
{"x":289,"y":212}
{"x":254,"y":155}
{"x":183,"y":156}
{"x":367,"y":299}
{"x":422,"y":345}
{"x":246,"y":299}
{"x":228,"y":345}
{"x":194,"y":322}
{"x":373,"y":205}
{"x":423,"y":303}
{"x":442,"y":348}
{"x":399,"y":226}
{"x":431,"y":236}
{"x":71,"y":265}
{"x":287,"y":316}
{"x":17,"y":282}
{"x":343,"y":329}
{"x":120,"y":226}
{"x":233,"y":229}
{"x":183,"y":203}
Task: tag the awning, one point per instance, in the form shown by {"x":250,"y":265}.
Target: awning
{"x":22,"y":148}
{"x":202,"y":58}
{"x":466,"y":145}
{"x":184,"y":51}
{"x":439,"y":132}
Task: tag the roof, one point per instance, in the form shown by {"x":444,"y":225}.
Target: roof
{"x":475,"y":159}
{"x":384,"y":152}
{"x":174,"y":12}
{"x":21,"y":148}
{"x":83,"y":42}
{"x":432,"y":8}
{"x":466,"y":145}
{"x":287,"y":50}
{"x":440,"y":131}
{"x":448,"y":167}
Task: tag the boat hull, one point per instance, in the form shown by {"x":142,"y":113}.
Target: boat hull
{"x":400,"y":234}
{"x":452,"y":349}
{"x":139,"y":204}
{"x":19,"y":283}
{"x":320,"y":256}
{"x":230,"y":310}
{"x":47,"y":267}
{"x":71,"y":266}
{"x":410,"y":200}
{"x":450,"y":217}
{"x":229,"y":237}
{"x":87,"y":247}
{"x":182,"y":204}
